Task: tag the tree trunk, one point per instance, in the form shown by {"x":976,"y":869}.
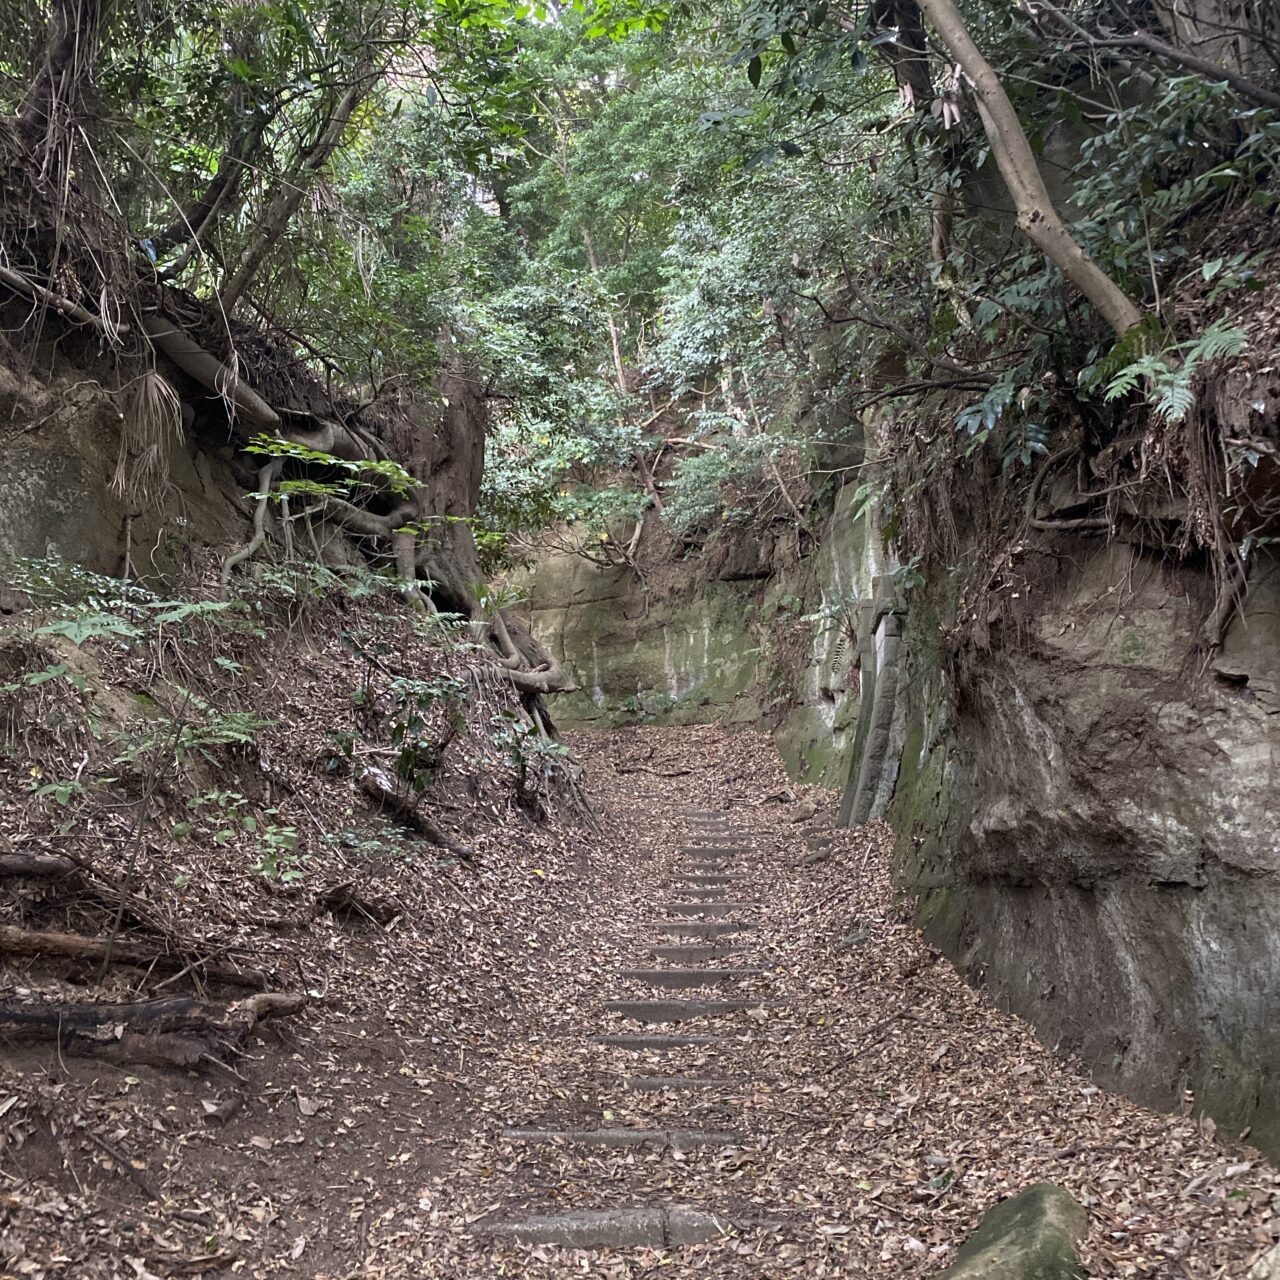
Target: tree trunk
{"x":290,"y":191}
{"x":202,"y":212}
{"x":1037,"y":218}
{"x":615,"y":341}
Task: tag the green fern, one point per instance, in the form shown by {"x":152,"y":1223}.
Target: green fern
{"x":1168,"y":375}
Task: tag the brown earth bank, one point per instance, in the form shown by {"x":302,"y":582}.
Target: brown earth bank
{"x":875,"y":1105}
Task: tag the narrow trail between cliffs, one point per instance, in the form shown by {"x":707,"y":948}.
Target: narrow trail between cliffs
{"x":745,"y":1061}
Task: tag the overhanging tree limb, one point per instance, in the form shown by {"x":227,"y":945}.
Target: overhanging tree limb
{"x":1037,"y":218}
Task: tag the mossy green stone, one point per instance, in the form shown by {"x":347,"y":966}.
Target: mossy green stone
{"x":1031,"y":1236}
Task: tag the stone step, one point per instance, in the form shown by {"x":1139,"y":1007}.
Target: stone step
{"x":678,"y":1010}
{"x":701,"y":928}
{"x":659,"y":1084}
{"x":703,"y":892}
{"x":694,"y":952}
{"x":708,"y":879}
{"x":680,"y":979}
{"x":707,"y":866}
{"x":656,"y":1040}
{"x":708,"y":910}
{"x":736,"y":843}
{"x":676,"y":1139}
{"x":660,"y":1228}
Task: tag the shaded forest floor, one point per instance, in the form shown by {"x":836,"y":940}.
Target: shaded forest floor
{"x":884,"y":1104}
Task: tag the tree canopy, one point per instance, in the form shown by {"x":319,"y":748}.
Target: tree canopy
{"x":688,"y":255}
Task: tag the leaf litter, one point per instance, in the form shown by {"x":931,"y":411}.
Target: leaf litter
{"x":876,"y":1112}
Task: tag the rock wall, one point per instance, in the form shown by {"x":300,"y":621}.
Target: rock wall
{"x":1088,"y":827}
{"x":781,"y":647}
{"x":59,"y":450}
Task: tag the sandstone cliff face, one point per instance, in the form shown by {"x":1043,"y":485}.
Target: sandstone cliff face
{"x":56,"y":497}
{"x":1090,"y":830}
{"x":764,"y":640}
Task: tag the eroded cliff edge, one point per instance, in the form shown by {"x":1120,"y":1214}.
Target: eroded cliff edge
{"x":1087,"y":825}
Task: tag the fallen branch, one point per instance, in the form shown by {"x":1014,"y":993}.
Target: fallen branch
{"x":123,"y":1164}
{"x":74,"y":946}
{"x":343,"y":899}
{"x":874,"y":1034}
{"x":43,"y":866}
{"x":377,"y":785}
{"x":657,"y":773}
{"x":177,"y":1032}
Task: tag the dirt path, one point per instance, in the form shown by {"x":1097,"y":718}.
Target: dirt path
{"x":832,"y":1100}
{"x":529,"y":1072}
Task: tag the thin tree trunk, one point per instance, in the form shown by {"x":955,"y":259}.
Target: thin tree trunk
{"x":614,"y":340}
{"x":1037,"y":218}
{"x":291,"y":190}
{"x":201,"y":212}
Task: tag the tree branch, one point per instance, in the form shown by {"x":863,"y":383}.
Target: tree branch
{"x":1037,"y":218}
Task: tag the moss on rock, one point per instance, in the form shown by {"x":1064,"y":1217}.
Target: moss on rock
{"x":1031,"y":1236}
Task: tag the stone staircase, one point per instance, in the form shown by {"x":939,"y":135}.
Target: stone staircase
{"x":709,"y":911}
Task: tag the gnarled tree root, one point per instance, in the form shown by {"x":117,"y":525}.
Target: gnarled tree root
{"x":266,"y":477}
{"x":549,"y":678}
{"x":74,"y":946}
{"x":179,"y":1032}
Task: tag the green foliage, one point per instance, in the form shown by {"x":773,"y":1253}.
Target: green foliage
{"x":226,"y":817}
{"x":378,"y":840}
{"x":380,"y":475}
{"x":198,"y":728}
{"x":536,"y":760}
{"x":1167,"y":375}
{"x":34,"y":679}
{"x":423,"y":718}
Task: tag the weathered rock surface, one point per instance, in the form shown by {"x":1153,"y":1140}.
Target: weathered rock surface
{"x":1092,"y":832}
{"x":1031,"y":1236}
{"x":726,"y":649}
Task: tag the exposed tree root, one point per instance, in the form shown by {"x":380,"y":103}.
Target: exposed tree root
{"x":178,"y":1032}
{"x":74,"y":946}
{"x":531,"y":676}
{"x":266,"y":476}
{"x":1230,"y":599}
{"x":548,"y":678}
{"x":210,"y":372}
{"x":73,"y":311}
